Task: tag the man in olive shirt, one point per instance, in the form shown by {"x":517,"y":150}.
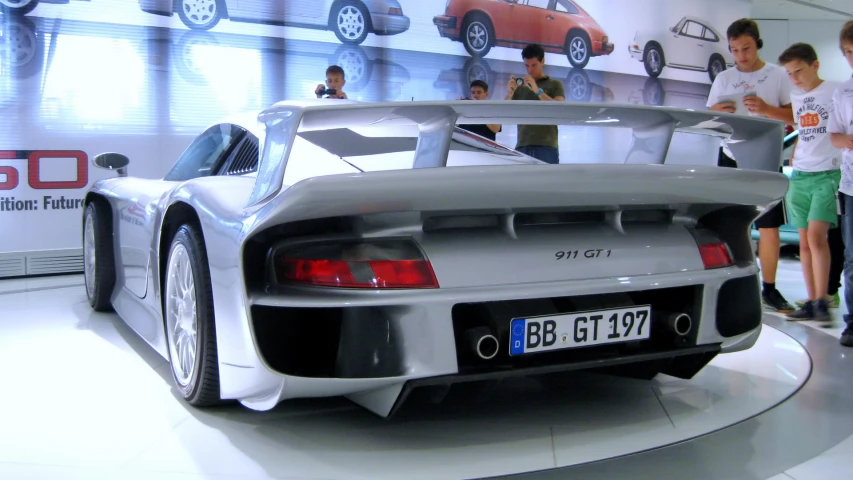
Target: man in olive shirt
{"x":538,"y":141}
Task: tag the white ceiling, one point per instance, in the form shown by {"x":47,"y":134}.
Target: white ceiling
{"x":802,"y":9}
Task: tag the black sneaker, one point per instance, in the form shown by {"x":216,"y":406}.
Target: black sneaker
{"x":821,"y":311}
{"x":775,"y":301}
{"x":847,"y":336}
{"x":806,"y":312}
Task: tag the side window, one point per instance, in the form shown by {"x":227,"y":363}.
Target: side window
{"x":543,"y":4}
{"x":567,"y":7}
{"x":711,"y":36}
{"x":203,"y":155}
{"x":692,"y":29}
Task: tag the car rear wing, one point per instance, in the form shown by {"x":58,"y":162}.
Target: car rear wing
{"x":756,"y":142}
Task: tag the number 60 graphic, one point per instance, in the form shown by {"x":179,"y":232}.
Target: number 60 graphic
{"x":33,"y":159}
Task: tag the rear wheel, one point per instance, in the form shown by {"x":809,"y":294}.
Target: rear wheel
{"x":199,"y":14}
{"x":350,"y":22}
{"x":189,"y":319}
{"x":477,"y":33}
{"x":17,"y":7}
{"x":578,"y":49}
{"x":715,"y":66}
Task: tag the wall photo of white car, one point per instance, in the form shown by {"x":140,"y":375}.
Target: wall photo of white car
{"x":350,"y":20}
{"x":365,"y":250}
{"x":23,"y":7}
{"x":692,"y":44}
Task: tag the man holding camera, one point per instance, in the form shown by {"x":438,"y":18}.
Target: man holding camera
{"x":335,"y":81}
{"x":538,"y":141}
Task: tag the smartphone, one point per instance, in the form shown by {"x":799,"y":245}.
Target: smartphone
{"x":737,"y":99}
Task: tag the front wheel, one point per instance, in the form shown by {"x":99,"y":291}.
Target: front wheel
{"x":653,"y":61}
{"x":189,"y":319}
{"x":715,"y":66}
{"x":98,"y":261}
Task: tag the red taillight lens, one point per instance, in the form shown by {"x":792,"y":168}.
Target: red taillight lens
{"x":361,"y":265}
{"x":395,"y":11}
{"x":715,"y":255}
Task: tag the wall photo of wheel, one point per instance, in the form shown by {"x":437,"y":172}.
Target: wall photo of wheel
{"x":17,"y":7}
{"x":350,"y":20}
{"x":560,"y":26}
{"x":691,"y":44}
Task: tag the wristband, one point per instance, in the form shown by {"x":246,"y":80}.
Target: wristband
{"x":540,"y":92}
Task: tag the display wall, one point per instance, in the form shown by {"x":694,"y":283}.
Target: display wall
{"x":81,"y":77}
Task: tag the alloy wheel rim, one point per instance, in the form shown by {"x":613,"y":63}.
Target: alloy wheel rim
{"x":15,"y":3}
{"x":578,"y":49}
{"x":477,"y":36}
{"x":654,"y":61}
{"x":89,"y":255}
{"x":350,"y":22}
{"x":199,"y":12}
{"x":181,"y":315}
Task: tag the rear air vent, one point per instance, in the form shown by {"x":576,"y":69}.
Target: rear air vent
{"x":623,"y":217}
{"x":245,"y":160}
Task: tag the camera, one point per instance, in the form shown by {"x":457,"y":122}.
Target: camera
{"x":519,"y":82}
{"x":327,"y":91}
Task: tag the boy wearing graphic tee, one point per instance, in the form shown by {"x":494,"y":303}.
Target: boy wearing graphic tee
{"x":841,"y":133}
{"x":814,"y":182}
{"x":772,"y":99}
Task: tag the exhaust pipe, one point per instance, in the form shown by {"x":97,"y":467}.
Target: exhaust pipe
{"x":484,"y":344}
{"x":679,"y":323}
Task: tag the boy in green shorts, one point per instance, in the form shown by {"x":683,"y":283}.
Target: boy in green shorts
{"x":816,"y":175}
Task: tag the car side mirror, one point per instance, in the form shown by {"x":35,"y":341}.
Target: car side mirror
{"x":112,"y":161}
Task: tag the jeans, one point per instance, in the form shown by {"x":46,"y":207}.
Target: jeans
{"x":836,"y":253}
{"x":847,"y":234}
{"x":546,"y":154}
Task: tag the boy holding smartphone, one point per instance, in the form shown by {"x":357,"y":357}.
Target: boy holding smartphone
{"x":772,"y":99}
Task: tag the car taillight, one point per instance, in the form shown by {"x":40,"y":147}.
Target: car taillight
{"x":715,"y":255}
{"x":395,"y":11}
{"x":368,"y":264}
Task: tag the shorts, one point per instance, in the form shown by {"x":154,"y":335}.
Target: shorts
{"x":812,"y":196}
{"x":773,"y":218}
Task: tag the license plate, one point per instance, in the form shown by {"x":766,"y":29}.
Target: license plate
{"x":579,"y":329}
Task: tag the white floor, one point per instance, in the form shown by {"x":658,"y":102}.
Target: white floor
{"x":98,"y":403}
{"x":836,"y":463}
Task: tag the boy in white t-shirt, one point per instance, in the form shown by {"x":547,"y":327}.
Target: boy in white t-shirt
{"x":816,"y":175}
{"x":771,"y":99}
{"x":841,"y":133}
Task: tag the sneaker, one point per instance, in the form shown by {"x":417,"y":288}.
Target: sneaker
{"x":775,"y":301}
{"x":833,"y":301}
{"x":806,"y":312}
{"x":847,"y":336}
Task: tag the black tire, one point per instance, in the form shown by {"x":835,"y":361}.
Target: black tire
{"x":356,"y":9}
{"x":716,"y":65}
{"x":578,"y":48}
{"x":202,"y":386}
{"x":199,"y":20}
{"x":99,"y":263}
{"x":653,"y":60}
{"x":7,"y":10}
{"x":481,"y":28}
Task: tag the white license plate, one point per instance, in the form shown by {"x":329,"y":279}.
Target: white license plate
{"x":579,"y":329}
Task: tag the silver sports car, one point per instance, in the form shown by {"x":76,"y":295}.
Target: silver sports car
{"x":332,"y":248}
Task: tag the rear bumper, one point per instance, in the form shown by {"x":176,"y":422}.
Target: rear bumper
{"x":384,"y":24}
{"x":376,"y":347}
{"x":447,"y":25}
{"x":157,"y":7}
{"x":603,"y":48}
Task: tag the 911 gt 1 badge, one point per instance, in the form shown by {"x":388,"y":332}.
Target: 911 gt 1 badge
{"x":572,"y":254}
